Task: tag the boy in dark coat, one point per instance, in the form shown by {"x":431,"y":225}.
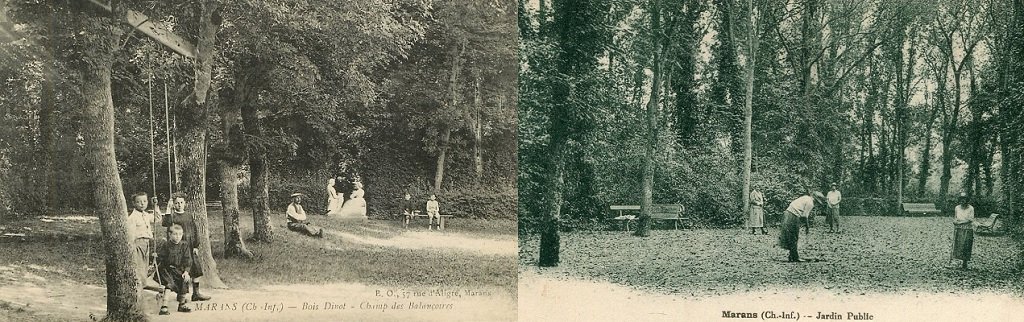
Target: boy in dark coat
{"x":175,"y":262}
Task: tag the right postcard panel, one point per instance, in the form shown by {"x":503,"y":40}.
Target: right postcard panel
{"x":723,"y":160}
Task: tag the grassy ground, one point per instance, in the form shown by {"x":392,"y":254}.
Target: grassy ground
{"x":872,"y":255}
{"x":54,"y":251}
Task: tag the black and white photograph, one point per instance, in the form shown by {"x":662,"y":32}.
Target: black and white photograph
{"x":258,"y":160}
{"x":724,"y":160}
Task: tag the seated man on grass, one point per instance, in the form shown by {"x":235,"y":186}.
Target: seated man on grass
{"x":175,"y":261}
{"x":297,"y":218}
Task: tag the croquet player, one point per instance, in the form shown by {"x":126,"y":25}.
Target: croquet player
{"x":799,"y":208}
{"x":176,"y":215}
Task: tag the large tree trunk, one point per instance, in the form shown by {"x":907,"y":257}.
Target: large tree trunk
{"x":748,"y":111}
{"x":643,"y":226}
{"x":192,"y":150}
{"x":123,"y":298}
{"x":232,"y":155}
{"x":926,"y":157}
{"x":947,"y":140}
{"x":259,"y":181}
{"x":442,"y":156}
{"x":550,"y":242}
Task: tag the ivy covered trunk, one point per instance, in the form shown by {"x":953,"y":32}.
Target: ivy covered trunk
{"x":232,"y":156}
{"x":643,"y":226}
{"x":259,"y":181}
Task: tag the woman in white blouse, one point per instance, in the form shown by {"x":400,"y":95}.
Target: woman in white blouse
{"x":963,"y":231}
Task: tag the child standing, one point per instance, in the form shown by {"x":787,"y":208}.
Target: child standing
{"x":433,"y":211}
{"x":140,"y":234}
{"x":176,"y":215}
{"x":175,"y":258}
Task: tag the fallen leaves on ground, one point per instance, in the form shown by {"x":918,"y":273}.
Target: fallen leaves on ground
{"x":870,"y":255}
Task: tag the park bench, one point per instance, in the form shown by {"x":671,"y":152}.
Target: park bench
{"x":671,"y":212}
{"x":920,"y":208}
{"x":216,"y":204}
{"x":418,"y":214}
{"x":989,"y":228}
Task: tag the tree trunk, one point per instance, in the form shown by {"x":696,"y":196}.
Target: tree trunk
{"x":232,"y":156}
{"x":442,"y":155}
{"x":947,"y":140}
{"x":123,"y":298}
{"x":550,"y":242}
{"x":643,"y":226}
{"x":192,"y":150}
{"x":748,"y":112}
{"x":259,"y":181}
{"x":926,"y":157}
{"x":478,"y":130}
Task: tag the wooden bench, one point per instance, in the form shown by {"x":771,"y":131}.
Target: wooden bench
{"x":989,"y":228}
{"x":672,"y":212}
{"x":214,"y":204}
{"x":920,"y":208}
{"x":417,"y":214}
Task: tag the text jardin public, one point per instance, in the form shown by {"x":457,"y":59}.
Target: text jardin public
{"x":855,"y":316}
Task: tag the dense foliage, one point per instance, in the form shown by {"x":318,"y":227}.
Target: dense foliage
{"x":898,"y":101}
{"x":344,"y":86}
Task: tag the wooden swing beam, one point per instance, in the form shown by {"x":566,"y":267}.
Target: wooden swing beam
{"x":165,"y":37}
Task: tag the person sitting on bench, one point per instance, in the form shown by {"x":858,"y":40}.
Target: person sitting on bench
{"x":297,"y":218}
{"x":408,"y":206}
{"x":433,"y":211}
{"x":175,"y":261}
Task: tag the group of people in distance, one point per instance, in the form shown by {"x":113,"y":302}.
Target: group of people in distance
{"x":177,"y":260}
{"x":344,"y":201}
{"x":800,"y":210}
{"x":433,"y":209}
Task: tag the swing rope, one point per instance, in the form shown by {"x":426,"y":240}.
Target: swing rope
{"x":152,"y":135}
{"x":167,"y":130}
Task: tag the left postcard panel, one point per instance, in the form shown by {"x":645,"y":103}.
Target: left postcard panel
{"x":271,"y":160}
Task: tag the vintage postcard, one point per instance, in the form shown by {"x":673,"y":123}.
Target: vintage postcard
{"x":692,"y":160}
{"x":269,"y":160}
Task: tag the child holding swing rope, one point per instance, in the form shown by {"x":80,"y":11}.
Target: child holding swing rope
{"x":140,"y":233}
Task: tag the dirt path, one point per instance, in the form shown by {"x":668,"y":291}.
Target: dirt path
{"x":34,"y":292}
{"x":545,"y":296}
{"x":436,"y":241}
{"x":59,"y":299}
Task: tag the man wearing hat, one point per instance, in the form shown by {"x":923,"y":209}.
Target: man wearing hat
{"x":963,"y":231}
{"x":297,"y":218}
{"x":832,"y":216}
{"x":799,"y":208}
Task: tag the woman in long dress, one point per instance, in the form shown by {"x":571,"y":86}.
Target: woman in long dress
{"x":963,"y":231}
{"x":756,"y":218}
{"x":355,"y":206}
{"x":334,"y":201}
